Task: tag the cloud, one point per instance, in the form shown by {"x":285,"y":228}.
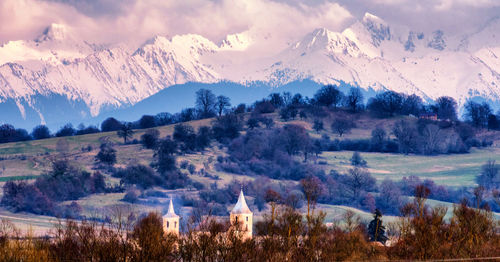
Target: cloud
{"x":455,"y":17}
{"x":277,"y":21}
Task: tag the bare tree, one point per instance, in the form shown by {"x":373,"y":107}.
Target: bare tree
{"x":432,"y":139}
{"x":406,"y":135}
{"x":205,"y":103}
{"x":312,"y":190}
{"x":354,"y":100}
{"x":342,"y":125}
{"x":223,"y":102}
{"x":359,"y":179}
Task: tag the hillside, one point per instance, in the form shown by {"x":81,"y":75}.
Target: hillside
{"x":27,"y":160}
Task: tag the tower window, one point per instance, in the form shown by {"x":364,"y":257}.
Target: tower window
{"x":247,"y":219}
{"x":175,"y":224}
{"x":168,"y":224}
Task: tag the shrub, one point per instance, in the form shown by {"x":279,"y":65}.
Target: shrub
{"x":263,"y":107}
{"x":150,"y":138}
{"x":106,"y":155}
{"x":191,"y":169}
{"x":357,"y":160}
{"x":64,"y":182}
{"x":131,"y":196}
{"x":184,"y":164}
{"x":139,"y":175}
{"x":226,"y":127}
{"x":186,"y":138}
{"x":203,"y":138}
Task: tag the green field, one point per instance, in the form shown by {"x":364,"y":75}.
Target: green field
{"x":450,"y":170}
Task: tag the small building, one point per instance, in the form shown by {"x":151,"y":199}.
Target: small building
{"x":429,"y":116}
{"x":242,"y":217}
{"x":171,"y":221}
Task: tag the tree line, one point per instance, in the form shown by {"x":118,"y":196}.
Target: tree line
{"x":384,"y":104}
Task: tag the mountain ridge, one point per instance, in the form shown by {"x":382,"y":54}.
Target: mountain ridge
{"x":370,"y":54}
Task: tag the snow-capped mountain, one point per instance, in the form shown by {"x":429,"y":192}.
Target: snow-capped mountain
{"x":372,"y":54}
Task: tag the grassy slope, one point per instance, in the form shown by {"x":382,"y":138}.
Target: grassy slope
{"x":25,"y":160}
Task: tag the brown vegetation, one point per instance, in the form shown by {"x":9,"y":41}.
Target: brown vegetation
{"x":283,"y":235}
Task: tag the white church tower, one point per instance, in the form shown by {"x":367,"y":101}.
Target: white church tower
{"x":242,"y":215}
{"x":171,"y":221}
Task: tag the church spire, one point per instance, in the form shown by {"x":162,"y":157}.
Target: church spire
{"x":241,"y":206}
{"x":171,"y":211}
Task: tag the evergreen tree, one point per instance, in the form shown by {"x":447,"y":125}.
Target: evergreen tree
{"x":376,"y":230}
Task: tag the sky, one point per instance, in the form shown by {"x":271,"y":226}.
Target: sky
{"x":278,"y":21}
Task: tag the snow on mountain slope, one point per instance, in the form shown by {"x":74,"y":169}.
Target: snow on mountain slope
{"x":371,"y":54}
{"x":113,"y":76}
{"x":237,"y":42}
{"x":56,"y":45}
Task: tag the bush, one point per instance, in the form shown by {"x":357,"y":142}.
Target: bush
{"x":64,"y":182}
{"x":153,"y":193}
{"x":139,"y":175}
{"x":226,"y":127}
{"x":357,"y":160}
{"x":203,"y":138}
{"x":191,"y":169}
{"x":106,"y":155}
{"x":71,"y":211}
{"x":263,"y":107}
{"x":184,"y":164}
{"x":186,"y":138}
{"x":175,"y":179}
{"x":253,"y":122}
{"x":150,"y":138}
{"x":131,"y":196}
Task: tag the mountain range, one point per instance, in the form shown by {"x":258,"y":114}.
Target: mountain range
{"x":58,"y":78}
